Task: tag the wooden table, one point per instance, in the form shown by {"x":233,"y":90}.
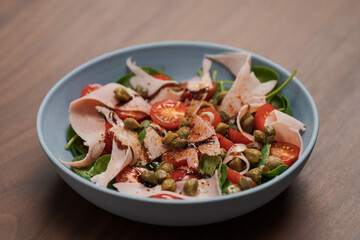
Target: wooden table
{"x":41,"y":41}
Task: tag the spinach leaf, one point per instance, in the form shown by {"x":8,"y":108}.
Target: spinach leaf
{"x":142,"y":131}
{"x":77,"y":147}
{"x":101,"y":164}
{"x":110,"y":185}
{"x":273,"y":173}
{"x":281,"y":103}
{"x":265,"y":152}
{"x":85,"y":172}
{"x":222,"y":174}
{"x":125,"y":79}
{"x":265,"y":74}
{"x":225,"y":185}
{"x":208,"y":164}
{"x":233,"y":126}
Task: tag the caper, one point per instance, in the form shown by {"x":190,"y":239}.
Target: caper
{"x":206,"y":104}
{"x":131,"y":123}
{"x":183,"y":132}
{"x":121,"y":94}
{"x":168,"y":185}
{"x":161,"y":175}
{"x":253,"y":155}
{"x":167,"y":167}
{"x":220,"y":96}
{"x":237,"y":164}
{"x":222,"y":153}
{"x":269,"y":131}
{"x":254,"y":174}
{"x":179,"y":143}
{"x":149,"y":177}
{"x":264,"y":169}
{"x":190,"y":186}
{"x":255,"y":145}
{"x":224,"y":117}
{"x":269,"y":139}
{"x":273,"y":162}
{"x":260,"y":136}
{"x":142,"y":91}
{"x":169,"y":137}
{"x":245,"y":183}
{"x":184,"y":122}
{"x":247,"y":123}
{"x":221,"y":128}
{"x":233,"y":188}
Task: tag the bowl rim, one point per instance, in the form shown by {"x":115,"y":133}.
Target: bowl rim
{"x":216,"y":46}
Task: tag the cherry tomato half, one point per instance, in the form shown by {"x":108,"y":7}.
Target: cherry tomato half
{"x":168,"y":113}
{"x":90,"y":88}
{"x":217,"y":118}
{"x":235,"y":176}
{"x":224,"y":142}
{"x":288,"y":152}
{"x":108,"y":139}
{"x":161,"y":76}
{"x":237,"y":137}
{"x":262,"y":113}
{"x":138,"y":116}
{"x":128,"y":174}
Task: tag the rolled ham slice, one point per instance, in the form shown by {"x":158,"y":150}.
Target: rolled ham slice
{"x":197,"y":83}
{"x":245,"y":109}
{"x":232,"y":60}
{"x":206,"y":188}
{"x":245,"y":89}
{"x":237,"y":151}
{"x":166,"y":93}
{"x":287,"y":128}
{"x":141,"y":78}
{"x":121,"y":156}
{"x":125,"y":136}
{"x":201,"y":130}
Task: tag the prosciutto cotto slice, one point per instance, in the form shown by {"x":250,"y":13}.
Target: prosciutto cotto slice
{"x":166,"y":93}
{"x":206,"y":188}
{"x":142,"y":79}
{"x":153,"y":142}
{"x":89,"y":124}
{"x":287,"y":128}
{"x":203,"y":136}
{"x":124,"y":136}
{"x":246,"y":89}
{"x":199,"y":86}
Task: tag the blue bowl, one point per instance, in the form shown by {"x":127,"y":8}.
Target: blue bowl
{"x":181,"y":60}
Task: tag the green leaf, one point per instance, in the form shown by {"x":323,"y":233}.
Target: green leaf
{"x":101,"y":164}
{"x":265,"y":74}
{"x":222,"y":174}
{"x":281,"y":103}
{"x":276,"y":91}
{"x":273,"y":173}
{"x":265,"y":152}
{"x":77,"y":147}
{"x":208,"y":164}
{"x":110,"y":185}
{"x":225,"y":185}
{"x":142,"y":133}
{"x":233,"y":126}
{"x":125,"y":79}
{"x":85,"y":172}
{"x":276,"y":172}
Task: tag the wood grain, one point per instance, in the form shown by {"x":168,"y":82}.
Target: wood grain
{"x":41,"y":41}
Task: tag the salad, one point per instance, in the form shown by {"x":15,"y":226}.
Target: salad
{"x":148,"y":135}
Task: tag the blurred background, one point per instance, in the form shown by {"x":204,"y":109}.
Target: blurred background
{"x":41,"y":41}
